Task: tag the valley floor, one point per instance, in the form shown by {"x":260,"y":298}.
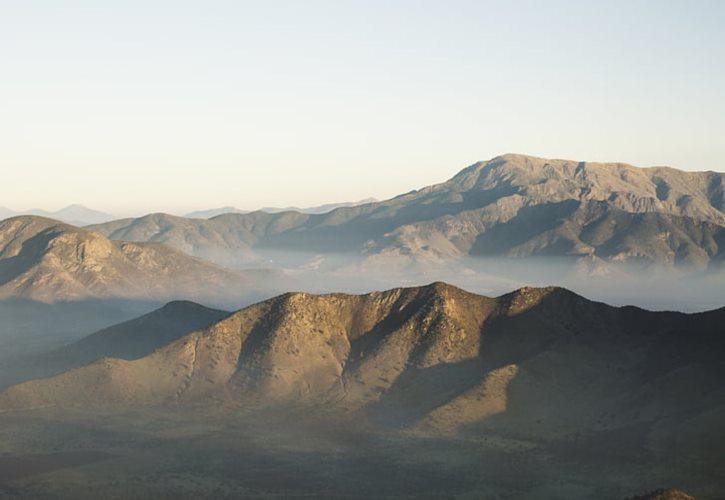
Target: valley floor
{"x":234,"y":452}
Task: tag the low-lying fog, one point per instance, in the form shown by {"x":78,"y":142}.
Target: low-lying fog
{"x":643,"y":285}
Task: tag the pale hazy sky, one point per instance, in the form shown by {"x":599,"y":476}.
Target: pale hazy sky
{"x":135,"y":106}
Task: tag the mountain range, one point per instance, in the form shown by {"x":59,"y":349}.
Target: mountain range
{"x":320,"y":209}
{"x":48,"y":261}
{"x":77,"y":215}
{"x":512,"y":206}
{"x":539,"y":363}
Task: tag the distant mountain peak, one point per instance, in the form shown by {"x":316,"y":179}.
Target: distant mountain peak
{"x":75,"y":214}
{"x":316,"y":210}
{"x":513,"y":205}
{"x":208,"y":214}
{"x":176,"y":305}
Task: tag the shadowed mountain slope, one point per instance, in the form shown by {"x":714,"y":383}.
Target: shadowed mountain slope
{"x":131,"y":339}
{"x":46,"y":260}
{"x":138,"y":337}
{"x":512,"y":205}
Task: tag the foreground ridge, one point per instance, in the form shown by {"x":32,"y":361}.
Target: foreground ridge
{"x":434,"y":358}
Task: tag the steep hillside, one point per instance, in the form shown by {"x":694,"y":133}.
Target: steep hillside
{"x":47,"y":261}
{"x":541,"y":363}
{"x":137,"y":337}
{"x":512,"y":205}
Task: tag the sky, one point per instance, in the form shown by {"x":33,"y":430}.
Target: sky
{"x":143,"y":106}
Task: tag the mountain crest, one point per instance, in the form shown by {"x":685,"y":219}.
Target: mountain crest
{"x":512,"y":205}
{"x":527,"y":297}
{"x":431,"y":357}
